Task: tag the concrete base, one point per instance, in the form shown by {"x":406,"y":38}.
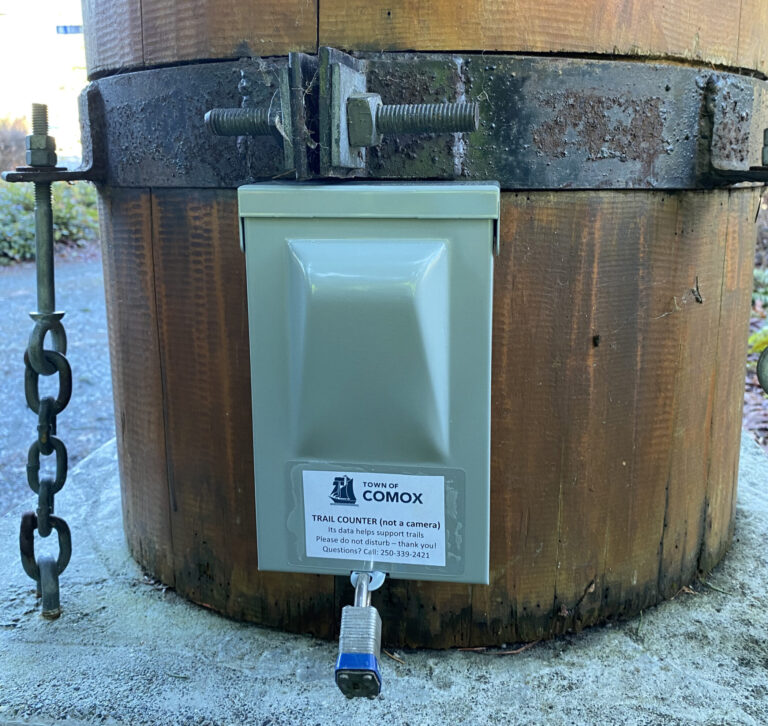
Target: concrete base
{"x":127,"y":651}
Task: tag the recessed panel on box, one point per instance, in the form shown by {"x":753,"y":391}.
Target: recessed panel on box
{"x":369,"y":309}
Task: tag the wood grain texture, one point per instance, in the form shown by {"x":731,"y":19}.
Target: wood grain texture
{"x":729,"y":387}
{"x":700,"y":242}
{"x":177,"y":30}
{"x":700,"y":30}
{"x":134,"y":34}
{"x":753,"y":40}
{"x":126,"y":238}
{"x":588,"y":385}
{"x":615,"y":415}
{"x":202,"y":320}
{"x":113,"y":37}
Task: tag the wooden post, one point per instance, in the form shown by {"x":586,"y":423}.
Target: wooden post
{"x":620,"y":321}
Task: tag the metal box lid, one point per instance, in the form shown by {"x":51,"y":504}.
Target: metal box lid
{"x":369,"y":312}
{"x":371,"y":200}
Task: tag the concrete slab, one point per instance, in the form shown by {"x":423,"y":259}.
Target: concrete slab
{"x":127,"y":651}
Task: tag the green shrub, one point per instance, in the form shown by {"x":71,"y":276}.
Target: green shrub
{"x":760,"y":285}
{"x":75,"y":219}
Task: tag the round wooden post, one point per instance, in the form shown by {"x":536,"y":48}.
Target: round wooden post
{"x":620,"y":320}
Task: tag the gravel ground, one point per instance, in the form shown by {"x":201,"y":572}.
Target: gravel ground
{"x":88,"y":421}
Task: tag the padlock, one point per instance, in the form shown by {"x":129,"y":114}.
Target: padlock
{"x":357,"y":667}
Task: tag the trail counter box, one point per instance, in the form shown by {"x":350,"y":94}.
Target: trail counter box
{"x":369,"y":313}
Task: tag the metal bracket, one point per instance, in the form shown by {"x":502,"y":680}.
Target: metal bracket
{"x":286,"y":115}
{"x":341,"y":75}
{"x":303,"y":71}
{"x":93,"y":166}
{"x":324,"y":108}
{"x":352,"y":119}
{"x":252,"y":120}
{"x":728,"y":104}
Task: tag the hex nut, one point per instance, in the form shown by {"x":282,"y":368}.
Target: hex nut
{"x":40,"y":142}
{"x":361,"y":119}
{"x":41,"y":157}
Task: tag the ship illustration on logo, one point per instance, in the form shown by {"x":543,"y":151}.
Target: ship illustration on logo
{"x":343,"y":493}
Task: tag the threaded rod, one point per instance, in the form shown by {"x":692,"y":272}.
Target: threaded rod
{"x":39,"y":119}
{"x":46,"y":296}
{"x":240,"y":122}
{"x":427,"y":118}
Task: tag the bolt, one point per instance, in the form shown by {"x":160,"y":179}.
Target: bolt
{"x":241,"y":122}
{"x":361,"y":119}
{"x":41,"y":148}
{"x":368,"y":119}
{"x":427,"y":118}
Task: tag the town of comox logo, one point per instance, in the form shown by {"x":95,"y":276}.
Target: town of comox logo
{"x":343,"y":493}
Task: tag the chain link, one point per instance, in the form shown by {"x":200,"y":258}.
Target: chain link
{"x":33,"y":466}
{"x":44,"y":507}
{"x":46,"y":426}
{"x":40,"y":361}
{"x":32,"y":379}
{"x":29,"y":524}
{"x":45,"y":324}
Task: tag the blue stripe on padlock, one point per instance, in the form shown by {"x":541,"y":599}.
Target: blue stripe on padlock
{"x":358,"y":662}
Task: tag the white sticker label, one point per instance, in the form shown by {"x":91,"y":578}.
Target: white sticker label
{"x":382,"y":517}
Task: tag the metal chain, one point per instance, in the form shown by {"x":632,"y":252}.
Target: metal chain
{"x":42,"y":361}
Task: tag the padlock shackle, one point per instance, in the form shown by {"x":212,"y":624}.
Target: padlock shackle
{"x":362,"y":591}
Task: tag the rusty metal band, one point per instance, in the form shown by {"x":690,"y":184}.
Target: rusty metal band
{"x":546,"y":123}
